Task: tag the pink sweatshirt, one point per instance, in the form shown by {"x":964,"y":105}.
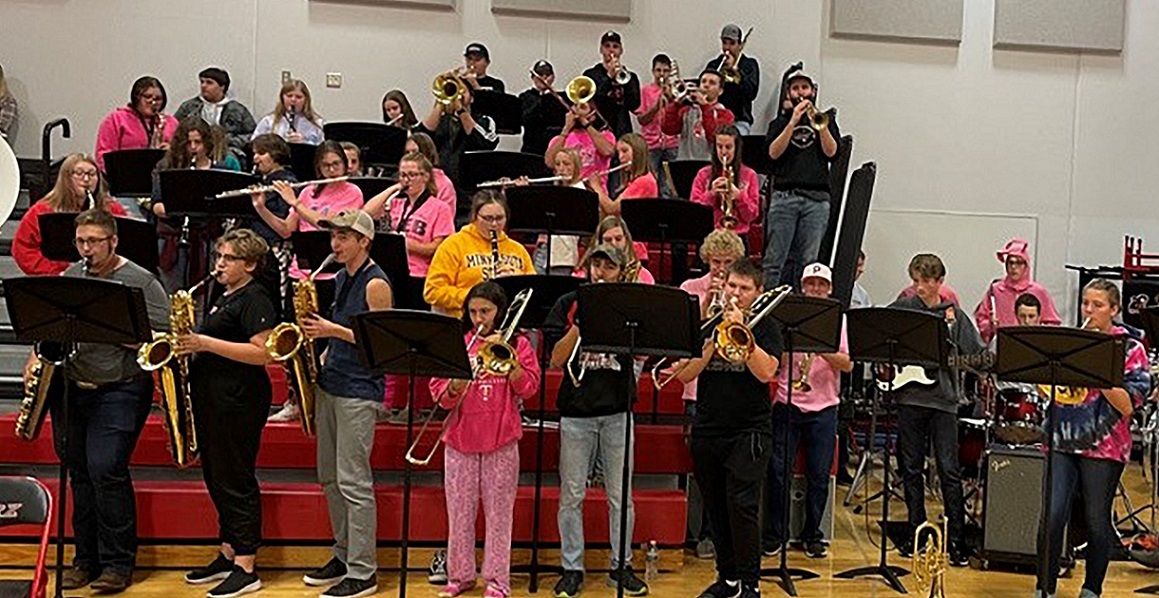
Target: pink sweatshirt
{"x":123,"y":129}
{"x":747,"y":200}
{"x":446,"y":190}
{"x":488,"y":414}
{"x":1006,"y":291}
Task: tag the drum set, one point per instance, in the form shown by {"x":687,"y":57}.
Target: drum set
{"x":1012,"y":414}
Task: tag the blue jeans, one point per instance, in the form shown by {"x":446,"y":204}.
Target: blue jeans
{"x":657,"y":158}
{"x":103,"y":427}
{"x":580,"y":438}
{"x":818,"y":430}
{"x":1097,"y":480}
{"x":795,"y":225}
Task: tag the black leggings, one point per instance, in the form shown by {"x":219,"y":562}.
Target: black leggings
{"x":1097,"y":479}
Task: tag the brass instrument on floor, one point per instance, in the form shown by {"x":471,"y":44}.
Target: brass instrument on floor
{"x":734,"y":340}
{"x":930,"y":563}
{"x":160,"y":355}
{"x":288,"y":345}
{"x":36,"y":400}
{"x":801,"y":382}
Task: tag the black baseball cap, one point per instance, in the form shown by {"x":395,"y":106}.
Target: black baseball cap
{"x":543,"y":68}
{"x":610,"y":36}
{"x":477,"y":48}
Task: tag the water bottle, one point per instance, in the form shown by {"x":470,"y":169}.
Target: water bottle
{"x":652,"y":562}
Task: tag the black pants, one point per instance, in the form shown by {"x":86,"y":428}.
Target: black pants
{"x":1097,"y":479}
{"x":729,"y":470}
{"x":103,"y":427}
{"x":817,"y":430}
{"x":917,"y":427}
{"x":229,"y":432}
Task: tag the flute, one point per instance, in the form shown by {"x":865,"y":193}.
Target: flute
{"x":268,"y":188}
{"x":507,"y":182}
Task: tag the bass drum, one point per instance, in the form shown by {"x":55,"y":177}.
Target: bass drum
{"x":971,"y":446}
{"x":9,"y":180}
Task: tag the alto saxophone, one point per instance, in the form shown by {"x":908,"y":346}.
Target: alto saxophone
{"x":160,"y":355}
{"x":34,"y":405}
{"x":930,"y":563}
{"x":287,"y":344}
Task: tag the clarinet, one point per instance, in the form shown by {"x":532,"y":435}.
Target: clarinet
{"x":292,"y":119}
{"x":494,"y":254}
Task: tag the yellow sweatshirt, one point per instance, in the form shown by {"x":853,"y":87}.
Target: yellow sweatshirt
{"x":462,"y":261}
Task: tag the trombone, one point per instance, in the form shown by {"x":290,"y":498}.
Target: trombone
{"x":496,"y":359}
{"x":550,"y":89}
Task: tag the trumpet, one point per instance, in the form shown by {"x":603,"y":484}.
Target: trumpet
{"x":269,"y":188}
{"x":448,"y":88}
{"x":622,"y":76}
{"x":677,"y":87}
{"x":728,"y":201}
{"x":496,"y":359}
{"x":801,"y":382}
{"x":818,"y":119}
{"x":731,"y":73}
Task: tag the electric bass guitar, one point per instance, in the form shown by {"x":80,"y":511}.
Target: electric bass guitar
{"x":916,"y":375}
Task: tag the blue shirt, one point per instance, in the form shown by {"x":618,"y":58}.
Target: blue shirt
{"x":344,"y":374}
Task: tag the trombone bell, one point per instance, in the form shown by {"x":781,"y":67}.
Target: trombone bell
{"x":581,"y":90}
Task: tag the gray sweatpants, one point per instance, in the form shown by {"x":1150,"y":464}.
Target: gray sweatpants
{"x":345,"y":429}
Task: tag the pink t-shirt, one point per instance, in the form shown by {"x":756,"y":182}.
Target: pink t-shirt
{"x":641,"y":186}
{"x":824,"y":381}
{"x":446,"y":190}
{"x":653,"y":136}
{"x":335,"y":198}
{"x":699,"y":288}
{"x":746,"y":207}
{"x":590,"y":158}
{"x":432,"y":219}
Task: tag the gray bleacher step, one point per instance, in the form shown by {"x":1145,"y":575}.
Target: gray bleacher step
{"x":8,"y":267}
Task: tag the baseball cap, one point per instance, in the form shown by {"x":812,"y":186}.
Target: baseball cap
{"x":543,"y":68}
{"x":610,"y":252}
{"x":610,"y":36}
{"x":801,"y":75}
{"x":818,"y":270}
{"x":477,"y":48}
{"x":355,"y":220}
{"x":731,"y":31}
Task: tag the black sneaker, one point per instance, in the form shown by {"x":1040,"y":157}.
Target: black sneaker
{"x":218,"y":570}
{"x":816,"y":549}
{"x":569,"y":584}
{"x":722,"y":589}
{"x":239,"y":582}
{"x":771,"y":550}
{"x":633,"y":586}
{"x":437,"y":574}
{"x":750,"y":590}
{"x":331,"y":572}
{"x":352,"y":588}
{"x":959,"y":555}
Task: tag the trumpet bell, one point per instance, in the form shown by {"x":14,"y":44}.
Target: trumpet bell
{"x":623,"y":76}
{"x":581,"y":90}
{"x":447,"y":89}
{"x":284,"y":341}
{"x":734,"y":342}
{"x":156,"y":354}
{"x":818,"y":120}
{"x":498,"y":359}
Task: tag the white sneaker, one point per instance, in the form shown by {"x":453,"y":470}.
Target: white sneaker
{"x":288,"y":413}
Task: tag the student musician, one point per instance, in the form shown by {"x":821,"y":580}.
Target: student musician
{"x":653,"y":100}
{"x":397,"y":111}
{"x":564,"y":248}
{"x":193,"y":146}
{"x":616,"y":96}
{"x":996,"y":309}
{"x":293,"y":118}
{"x":444,"y":188}
{"x":348,"y":404}
{"x":543,"y":112}
{"x":697,"y":122}
{"x":456,"y":129}
{"x":79,"y":180}
{"x":1092,"y":463}
{"x":727,"y":181}
{"x":593,"y":400}
{"x":731,"y":436}
{"x":353,"y":158}
{"x":636,"y":180}
{"x":816,"y":380}
{"x":614,"y":231}
{"x":928,"y":414}
{"x":585,"y":132}
{"x":214,"y":106}
{"x":737,"y":96}
{"x":109,"y":400}
{"x":142,"y":123}
{"x":476,"y":61}
{"x":271,"y":161}
{"x":482,"y":436}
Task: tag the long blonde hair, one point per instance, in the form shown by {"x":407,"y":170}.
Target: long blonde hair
{"x":577,"y":165}
{"x":640,"y":165}
{"x":307,"y":105}
{"x":63,"y":198}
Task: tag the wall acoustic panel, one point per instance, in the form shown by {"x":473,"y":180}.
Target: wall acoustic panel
{"x":928,"y":21}
{"x":611,"y":11}
{"x":1065,"y":25}
{"x":421,"y":4}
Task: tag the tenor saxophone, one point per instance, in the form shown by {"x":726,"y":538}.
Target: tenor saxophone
{"x":287,"y":344}
{"x":160,"y":355}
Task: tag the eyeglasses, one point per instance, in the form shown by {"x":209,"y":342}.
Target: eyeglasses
{"x":331,"y":165}
{"x":84,"y":174}
{"x":493,"y":219}
{"x":227,"y":257}
{"x":410,"y":175}
{"x":83,"y":243}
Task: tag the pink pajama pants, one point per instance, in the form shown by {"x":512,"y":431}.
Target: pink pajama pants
{"x":492,"y":477}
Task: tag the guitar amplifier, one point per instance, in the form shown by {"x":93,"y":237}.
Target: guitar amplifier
{"x":1013,"y":503}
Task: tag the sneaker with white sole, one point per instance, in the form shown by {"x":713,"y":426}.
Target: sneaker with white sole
{"x":352,"y":587}
{"x":238,"y":583}
{"x":437,"y":574}
{"x":290,"y":412}
{"x":218,"y":570}
{"x":330,"y":573}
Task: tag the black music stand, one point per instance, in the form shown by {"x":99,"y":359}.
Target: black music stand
{"x":683,"y":174}
{"x":553,"y":211}
{"x":67,"y":311}
{"x":187,"y":192}
{"x":810,"y":325}
{"x":891,"y":335}
{"x":411,"y":343}
{"x":130,"y":172}
{"x":547,"y":291}
{"x":380,"y":143}
{"x":388,"y":250}
{"x":631,"y":319}
{"x":487,"y":165}
{"x":505,"y":109}
{"x":137,"y":240}
{"x":302,"y":160}
{"x":1054,"y":355}
{"x":667,"y":221}
{"x":754,"y":153}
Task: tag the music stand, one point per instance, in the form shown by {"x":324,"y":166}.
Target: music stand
{"x":487,"y":165}
{"x":547,"y":291}
{"x":892,"y":335}
{"x":411,"y":343}
{"x":130,"y":172}
{"x":68,"y":310}
{"x":505,"y":109}
{"x":683,"y":174}
{"x":809,"y":325}
{"x":754,"y":153}
{"x":667,"y":221}
{"x":627,"y":318}
{"x":187,"y":192}
{"x":379,"y":143}
{"x":137,"y":240}
{"x":553,"y":211}
{"x":302,"y":160}
{"x":1055,"y":355}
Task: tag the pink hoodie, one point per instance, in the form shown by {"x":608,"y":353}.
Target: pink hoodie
{"x":123,"y":129}
{"x":1006,"y":291}
{"x":488,"y":414}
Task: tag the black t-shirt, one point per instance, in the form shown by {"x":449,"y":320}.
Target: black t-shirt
{"x":729,"y":398}
{"x":804,"y":165}
{"x":489,"y":83}
{"x":609,"y":384}
{"x":276,"y":205}
{"x":543,"y":118}
{"x":235,"y":317}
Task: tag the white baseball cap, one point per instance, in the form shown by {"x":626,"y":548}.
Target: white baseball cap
{"x":818,"y":270}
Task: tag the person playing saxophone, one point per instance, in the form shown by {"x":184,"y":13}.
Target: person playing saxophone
{"x":816,"y":381}
{"x":109,"y":400}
